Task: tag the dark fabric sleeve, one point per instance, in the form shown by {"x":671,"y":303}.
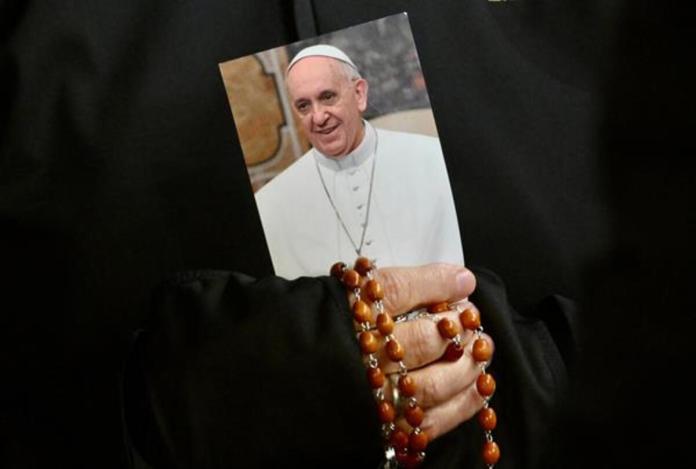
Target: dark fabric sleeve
{"x":531,"y":374}
{"x":235,"y":372}
{"x":533,"y":358}
{"x":267,"y":373}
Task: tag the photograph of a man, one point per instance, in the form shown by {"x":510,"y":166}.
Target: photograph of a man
{"x":359,"y":190}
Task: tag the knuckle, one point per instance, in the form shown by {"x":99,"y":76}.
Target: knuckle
{"x":439,"y":275}
{"x":397,"y":290}
{"x":429,"y":388}
{"x":471,"y":403}
{"x":421,"y":341}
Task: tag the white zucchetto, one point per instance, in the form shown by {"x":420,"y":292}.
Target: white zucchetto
{"x":322,"y":50}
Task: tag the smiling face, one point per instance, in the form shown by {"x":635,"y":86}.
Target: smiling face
{"x":328,"y":103}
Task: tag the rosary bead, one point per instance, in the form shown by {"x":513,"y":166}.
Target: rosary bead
{"x":385,"y":412}
{"x":375,"y":377}
{"x":414,"y":415}
{"x":410,"y":448}
{"x":363,"y":265}
{"x":374,"y":290}
{"x":491,"y":453}
{"x":351,"y":278}
{"x":385,"y":324}
{"x":438,"y":307}
{"x":482,"y":350}
{"x":470,"y":319}
{"x":361,"y":312}
{"x":453,"y":352}
{"x":417,"y":442}
{"x":337,"y":270}
{"x":448,"y":329}
{"x":409,"y":460}
{"x":399,"y":440}
{"x":485,"y":384}
{"x":407,"y":387}
{"x":395,"y":351}
{"x":487,"y":419}
{"x":368,"y":342}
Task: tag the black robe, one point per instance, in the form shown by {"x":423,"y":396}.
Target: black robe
{"x":238,"y":372}
{"x":119,"y":165}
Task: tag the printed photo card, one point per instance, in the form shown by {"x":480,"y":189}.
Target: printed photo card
{"x":342,"y":150}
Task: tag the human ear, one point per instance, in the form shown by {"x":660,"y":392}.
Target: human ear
{"x":361,"y":94}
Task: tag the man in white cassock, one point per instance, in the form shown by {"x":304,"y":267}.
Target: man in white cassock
{"x":359,"y":190}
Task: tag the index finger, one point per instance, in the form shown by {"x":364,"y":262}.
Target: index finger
{"x":407,"y":288}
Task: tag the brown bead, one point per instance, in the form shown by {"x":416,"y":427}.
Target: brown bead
{"x":407,"y":387}
{"x":363,"y":265}
{"x":487,"y":419}
{"x":362,"y":311}
{"x":395,"y":351}
{"x":490,"y":453}
{"x":448,"y":329}
{"x":385,"y":411}
{"x":439,"y":307}
{"x":368,"y":342}
{"x":453,"y":352}
{"x":374,"y":290}
{"x":485,"y":384}
{"x":482,"y":350}
{"x":399,"y":440}
{"x":414,"y":415}
{"x":409,"y":460}
{"x":470,"y":319}
{"x":337,"y":270}
{"x":385,"y":324}
{"x":351,"y":278}
{"x":375,"y":377}
{"x":418,"y":441}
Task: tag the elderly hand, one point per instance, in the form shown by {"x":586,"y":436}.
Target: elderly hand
{"x":446,"y":391}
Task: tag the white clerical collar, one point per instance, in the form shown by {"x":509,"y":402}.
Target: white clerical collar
{"x":353,"y":159}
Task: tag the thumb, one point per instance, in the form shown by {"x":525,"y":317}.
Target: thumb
{"x":407,"y":288}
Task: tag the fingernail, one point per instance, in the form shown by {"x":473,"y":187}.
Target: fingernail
{"x":465,"y":282}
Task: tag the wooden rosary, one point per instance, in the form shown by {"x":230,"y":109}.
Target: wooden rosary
{"x":407,"y":449}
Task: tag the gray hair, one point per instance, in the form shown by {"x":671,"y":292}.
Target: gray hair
{"x":350,"y":72}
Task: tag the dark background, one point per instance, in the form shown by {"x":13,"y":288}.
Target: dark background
{"x":568,"y":133}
